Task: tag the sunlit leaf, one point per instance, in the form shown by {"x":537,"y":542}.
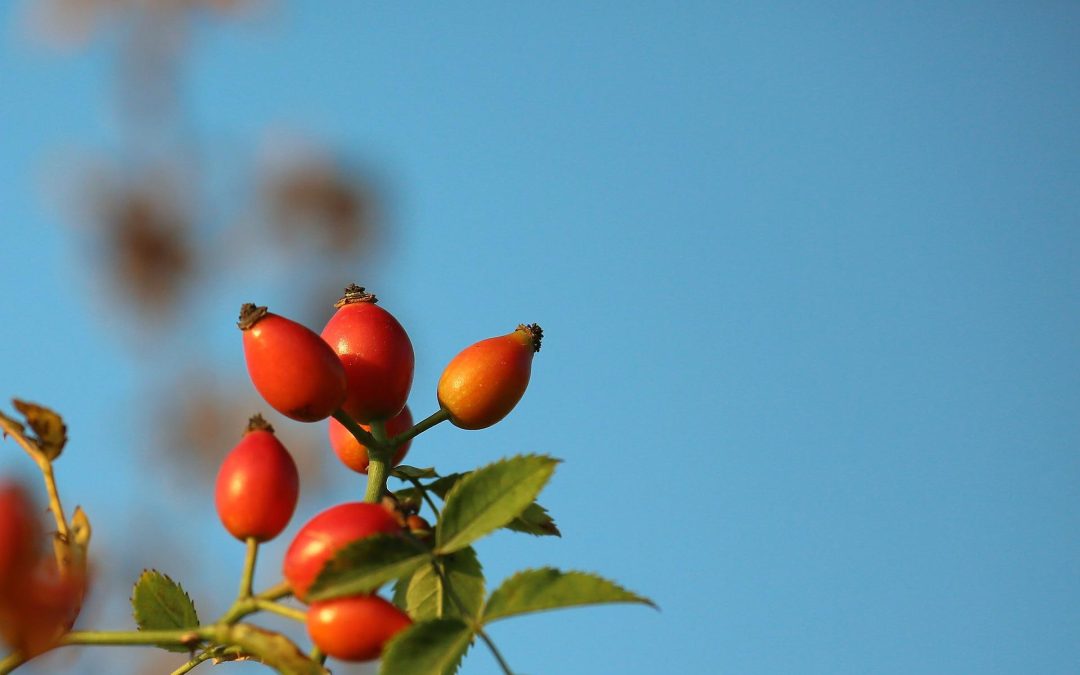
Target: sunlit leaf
{"x":489,"y":498}
{"x":401,"y":592}
{"x":366,"y":564}
{"x":429,"y":597}
{"x":547,"y":588}
{"x":533,"y":520}
{"x":536,"y":521}
{"x":429,"y":647}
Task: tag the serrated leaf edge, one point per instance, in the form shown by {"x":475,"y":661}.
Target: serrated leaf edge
{"x":446,"y":668}
{"x":636,"y":598}
{"x":525,"y":526}
{"x":144,"y":574}
{"x":471,"y":476}
{"x":330,"y":566}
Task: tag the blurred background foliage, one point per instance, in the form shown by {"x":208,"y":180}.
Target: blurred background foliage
{"x":160,"y":227}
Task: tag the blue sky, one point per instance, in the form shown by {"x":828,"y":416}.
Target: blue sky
{"x":808,"y":276}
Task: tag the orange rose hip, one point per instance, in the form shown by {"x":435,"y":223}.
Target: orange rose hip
{"x":483,"y":383}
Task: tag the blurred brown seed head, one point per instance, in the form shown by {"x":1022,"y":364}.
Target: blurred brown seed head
{"x":202,"y":421}
{"x":320,"y":203}
{"x":147,"y":248}
{"x":72,"y":23}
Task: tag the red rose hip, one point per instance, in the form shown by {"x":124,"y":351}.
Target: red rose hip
{"x":258,"y":485}
{"x":354,"y":628}
{"x":327,"y":533}
{"x":292,"y":368}
{"x":376,"y":353}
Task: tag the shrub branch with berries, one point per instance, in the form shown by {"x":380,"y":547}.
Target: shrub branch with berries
{"x":357,"y":376}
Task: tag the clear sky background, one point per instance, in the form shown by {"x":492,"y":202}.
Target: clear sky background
{"x":809,"y":275}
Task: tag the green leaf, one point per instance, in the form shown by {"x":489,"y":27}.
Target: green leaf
{"x":536,"y":521}
{"x":159,"y":603}
{"x":429,"y":598}
{"x":489,"y":498}
{"x":424,"y":595}
{"x":533,"y":520}
{"x":411,"y":472}
{"x":548,"y":588}
{"x":439,"y":487}
{"x":366,"y":564}
{"x":401,"y":591}
{"x":48,"y":427}
{"x":430,"y":647}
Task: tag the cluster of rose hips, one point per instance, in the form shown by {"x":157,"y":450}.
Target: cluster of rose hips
{"x":356,"y":375}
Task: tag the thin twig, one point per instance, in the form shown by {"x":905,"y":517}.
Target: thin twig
{"x":190,"y":665}
{"x":440,"y":415}
{"x":31,"y":448}
{"x":425,"y":496}
{"x":282,"y":610}
{"x":281,"y":590}
{"x":358,"y":432}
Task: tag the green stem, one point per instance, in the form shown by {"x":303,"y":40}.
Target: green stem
{"x":183,"y":637}
{"x":440,"y":415}
{"x":366,"y":439}
{"x":251,"y":604}
{"x":190,"y":665}
{"x":426,"y":497}
{"x":249,"y":569}
{"x":239,"y":610}
{"x":187,"y":637}
{"x":317,"y":656}
{"x":494,"y":651}
{"x":281,"y":610}
{"x":282,"y":590}
{"x":226,"y":635}
{"x":379,"y":455}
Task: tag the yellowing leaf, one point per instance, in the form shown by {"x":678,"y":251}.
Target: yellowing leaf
{"x":80,"y":528}
{"x":48,"y":427}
